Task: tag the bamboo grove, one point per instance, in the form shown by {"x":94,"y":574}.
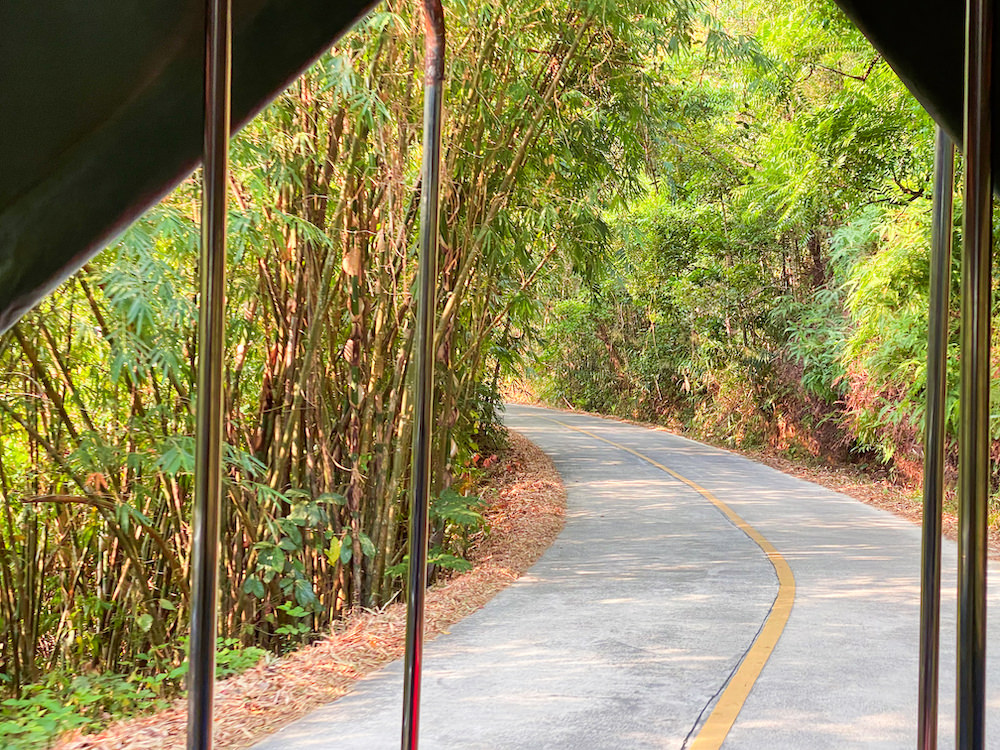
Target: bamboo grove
{"x":546,"y":118}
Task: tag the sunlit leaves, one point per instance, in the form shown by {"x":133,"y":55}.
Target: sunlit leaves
{"x":784,"y":129}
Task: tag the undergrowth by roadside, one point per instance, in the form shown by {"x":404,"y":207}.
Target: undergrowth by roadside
{"x":87,"y":702}
{"x":523,"y":503}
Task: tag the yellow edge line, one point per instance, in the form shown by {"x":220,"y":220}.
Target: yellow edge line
{"x":720,"y":721}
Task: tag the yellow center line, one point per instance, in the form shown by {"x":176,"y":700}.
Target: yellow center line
{"x":720,"y":721}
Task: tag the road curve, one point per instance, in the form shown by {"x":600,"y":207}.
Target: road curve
{"x":628,"y":630}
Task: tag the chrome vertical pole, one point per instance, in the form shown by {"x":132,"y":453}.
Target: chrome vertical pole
{"x":211,"y":341}
{"x":974,"y":439}
{"x":420,"y":478}
{"x":937,"y":381}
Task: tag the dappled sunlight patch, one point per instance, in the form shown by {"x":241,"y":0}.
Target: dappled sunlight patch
{"x":871,"y":726}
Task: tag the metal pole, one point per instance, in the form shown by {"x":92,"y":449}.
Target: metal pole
{"x":937,"y":376}
{"x":973,"y":440}
{"x":420,"y":478}
{"x":211,"y":341}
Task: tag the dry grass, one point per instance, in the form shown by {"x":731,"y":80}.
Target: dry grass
{"x":525,"y":507}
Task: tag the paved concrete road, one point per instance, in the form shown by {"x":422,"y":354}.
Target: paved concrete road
{"x":625,"y":632}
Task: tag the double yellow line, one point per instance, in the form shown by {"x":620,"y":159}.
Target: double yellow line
{"x":720,"y":721}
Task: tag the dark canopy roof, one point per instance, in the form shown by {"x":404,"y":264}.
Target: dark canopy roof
{"x":101,"y":114}
{"x":923,"y":41}
{"x":101,"y":104}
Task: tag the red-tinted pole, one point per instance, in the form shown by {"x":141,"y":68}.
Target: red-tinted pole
{"x":420,"y":478}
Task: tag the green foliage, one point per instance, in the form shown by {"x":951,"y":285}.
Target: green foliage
{"x":457,"y":510}
{"x":63,"y":702}
{"x":457,"y":517}
{"x":884,"y":254}
{"x":816,"y":330}
{"x":574,"y":364}
{"x":770,"y":286}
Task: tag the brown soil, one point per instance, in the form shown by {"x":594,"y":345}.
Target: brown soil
{"x":525,"y":503}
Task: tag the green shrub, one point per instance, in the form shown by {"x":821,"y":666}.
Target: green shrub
{"x":89,"y":702}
